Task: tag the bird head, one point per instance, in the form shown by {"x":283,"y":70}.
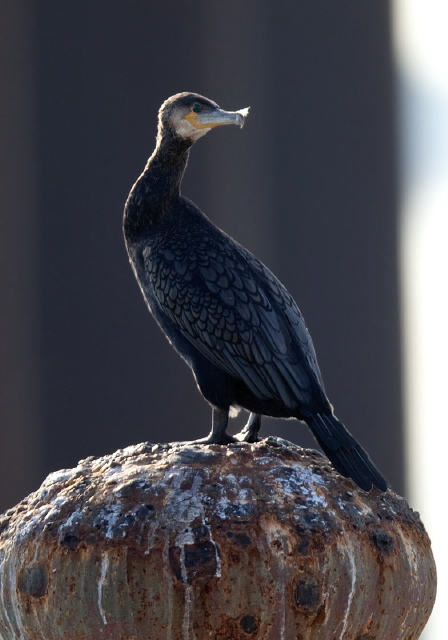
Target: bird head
{"x":190,"y":116}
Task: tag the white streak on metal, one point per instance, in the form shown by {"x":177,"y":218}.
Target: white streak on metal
{"x":151,"y":533}
{"x":215,"y":546}
{"x":3,"y":590}
{"x":188,"y":604}
{"x":12,"y":575}
{"x":351,"y":559}
{"x":281,"y":607}
{"x":101,"y":581}
{"x":277,"y":537}
{"x":409,"y":550}
{"x":170,"y":594}
{"x":217,"y":558}
{"x":281,"y":536}
{"x":188,"y":595}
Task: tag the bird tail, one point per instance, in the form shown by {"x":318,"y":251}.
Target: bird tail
{"x":345,"y":454}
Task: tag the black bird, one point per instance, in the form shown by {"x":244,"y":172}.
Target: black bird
{"x":224,"y":312}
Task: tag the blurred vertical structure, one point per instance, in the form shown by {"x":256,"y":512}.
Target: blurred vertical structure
{"x":335,"y":177}
{"x":308,"y":185}
{"x":20,"y":419}
{"x":421,"y":47}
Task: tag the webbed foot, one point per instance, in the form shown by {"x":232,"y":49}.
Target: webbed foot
{"x":213,"y":438}
{"x":250,"y":432}
{"x":218,"y":433}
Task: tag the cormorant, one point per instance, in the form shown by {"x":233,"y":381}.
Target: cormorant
{"x":224,"y":312}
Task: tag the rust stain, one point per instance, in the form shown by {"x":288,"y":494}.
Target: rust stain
{"x":185,"y":542}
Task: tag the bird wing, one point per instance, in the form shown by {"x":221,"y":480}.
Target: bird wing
{"x":236,"y":313}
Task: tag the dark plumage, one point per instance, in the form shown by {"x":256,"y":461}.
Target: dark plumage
{"x":225,"y":313}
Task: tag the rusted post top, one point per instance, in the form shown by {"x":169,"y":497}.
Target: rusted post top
{"x":188,"y":542}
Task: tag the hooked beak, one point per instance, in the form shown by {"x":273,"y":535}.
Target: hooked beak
{"x":217,"y":117}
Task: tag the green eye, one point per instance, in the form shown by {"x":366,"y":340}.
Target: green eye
{"x":196,"y":107}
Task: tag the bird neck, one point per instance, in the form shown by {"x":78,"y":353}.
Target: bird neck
{"x":156,"y":190}
{"x":166,"y":167}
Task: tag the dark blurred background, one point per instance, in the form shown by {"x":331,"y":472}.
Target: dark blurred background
{"x":309,"y":185}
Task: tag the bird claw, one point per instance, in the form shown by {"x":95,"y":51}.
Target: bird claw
{"x":215,"y":439}
{"x":249,"y":433}
{"x":246,"y":435}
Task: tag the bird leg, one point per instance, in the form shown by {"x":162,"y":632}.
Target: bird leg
{"x":218,"y":433}
{"x":250,"y":432}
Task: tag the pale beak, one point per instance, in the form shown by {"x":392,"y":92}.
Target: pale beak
{"x":217,"y":117}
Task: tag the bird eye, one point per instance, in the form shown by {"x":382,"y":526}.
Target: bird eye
{"x":196,"y":107}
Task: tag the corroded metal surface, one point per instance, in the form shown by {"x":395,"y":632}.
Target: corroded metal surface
{"x":190,"y":542}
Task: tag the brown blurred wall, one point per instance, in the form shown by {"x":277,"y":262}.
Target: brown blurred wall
{"x":309,"y":185}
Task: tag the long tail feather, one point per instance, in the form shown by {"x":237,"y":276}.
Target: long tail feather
{"x":345,"y":454}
